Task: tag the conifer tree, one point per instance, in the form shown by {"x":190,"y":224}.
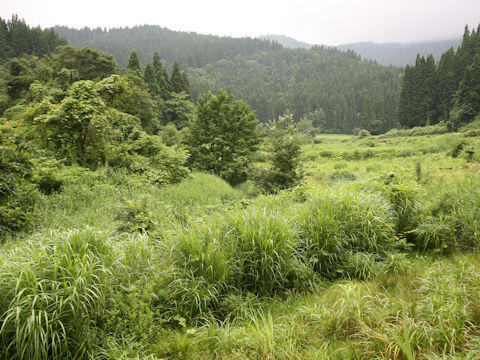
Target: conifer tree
{"x":467,"y":105}
{"x":430,"y":94}
{"x":134,"y":63}
{"x":463,"y":56}
{"x":149,"y":77}
{"x":161,"y":77}
{"x":4,"y":47}
{"x":406,"y":105}
{"x":176,"y":79}
{"x":446,"y":84}
{"x":179,"y":81}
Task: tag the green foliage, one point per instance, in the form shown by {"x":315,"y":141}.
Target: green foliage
{"x":124,"y":95}
{"x":16,"y":195}
{"x":78,"y":128}
{"x":87,"y":63}
{"x":283,"y":145}
{"x":135,"y":217}
{"x":179,"y":110}
{"x":332,"y":225}
{"x":223,"y":136}
{"x":178,"y":81}
{"x":53,"y":290}
{"x":134,"y":63}
{"x":20,"y":78}
{"x":448,"y":91}
{"x":364,"y":133}
{"x":17,"y":38}
{"x":467,"y":105}
{"x":269,"y":77}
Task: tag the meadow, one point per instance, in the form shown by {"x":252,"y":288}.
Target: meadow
{"x":373,"y":256}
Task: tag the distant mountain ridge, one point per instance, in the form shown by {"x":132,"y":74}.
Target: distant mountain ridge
{"x":397,"y":54}
{"x":286,"y":41}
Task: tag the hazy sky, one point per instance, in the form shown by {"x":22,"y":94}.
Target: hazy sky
{"x":329,"y":22}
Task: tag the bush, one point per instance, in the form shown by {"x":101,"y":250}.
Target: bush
{"x":284,"y":146}
{"x":17,"y":195}
{"x":364,"y":133}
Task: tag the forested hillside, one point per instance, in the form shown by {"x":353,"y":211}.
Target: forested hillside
{"x":447,"y":90}
{"x":352,"y":93}
{"x":286,"y":41}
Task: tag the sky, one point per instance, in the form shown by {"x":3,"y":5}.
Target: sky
{"x":328,"y":22}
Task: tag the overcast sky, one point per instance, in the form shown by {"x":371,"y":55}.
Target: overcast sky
{"x":329,"y":22}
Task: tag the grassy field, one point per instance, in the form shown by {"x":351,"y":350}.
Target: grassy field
{"x":373,"y":256}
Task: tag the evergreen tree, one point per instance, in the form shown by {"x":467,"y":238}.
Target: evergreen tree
{"x":161,"y":78}
{"x":406,"y":104}
{"x":176,"y":79}
{"x":186,"y":84}
{"x":463,"y":56}
{"x":446,"y":84}
{"x":150,"y":79}
{"x":134,"y":63}
{"x":179,"y":81}
{"x":430,"y":92}
{"x":467,"y":105}
{"x":4,"y":46}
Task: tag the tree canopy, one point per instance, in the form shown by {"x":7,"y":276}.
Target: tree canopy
{"x":223,"y":136}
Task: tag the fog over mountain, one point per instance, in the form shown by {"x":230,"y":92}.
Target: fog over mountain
{"x":392,"y":53}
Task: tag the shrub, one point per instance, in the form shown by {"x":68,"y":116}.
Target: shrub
{"x":364,"y":133}
{"x":339,"y":175}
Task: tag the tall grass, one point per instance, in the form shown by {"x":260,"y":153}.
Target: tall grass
{"x":52,"y":290}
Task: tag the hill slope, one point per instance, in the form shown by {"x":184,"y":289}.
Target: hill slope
{"x":352,"y":92}
{"x":286,"y":41}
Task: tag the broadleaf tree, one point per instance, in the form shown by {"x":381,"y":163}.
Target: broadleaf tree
{"x":223,"y":136}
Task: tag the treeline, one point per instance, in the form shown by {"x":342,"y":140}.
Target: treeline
{"x":188,"y":49}
{"x":445,"y":91}
{"x":351,"y":92}
{"x":17,"y":38}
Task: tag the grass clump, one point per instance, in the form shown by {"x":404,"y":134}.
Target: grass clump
{"x":53,"y":290}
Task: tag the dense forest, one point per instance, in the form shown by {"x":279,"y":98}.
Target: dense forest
{"x":17,"y":38}
{"x":444,"y":91}
{"x":351,"y":92}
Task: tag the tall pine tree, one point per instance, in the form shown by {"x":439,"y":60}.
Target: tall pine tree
{"x":161,"y":78}
{"x":467,"y":105}
{"x":134,"y":63}
{"x":149,"y":77}
{"x":446,"y":84}
{"x":178,"y":80}
{"x":406,"y":104}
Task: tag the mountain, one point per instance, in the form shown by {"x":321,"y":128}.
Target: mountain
{"x":286,"y":41}
{"x":189,"y":49}
{"x":351,"y":92}
{"x":399,"y":54}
